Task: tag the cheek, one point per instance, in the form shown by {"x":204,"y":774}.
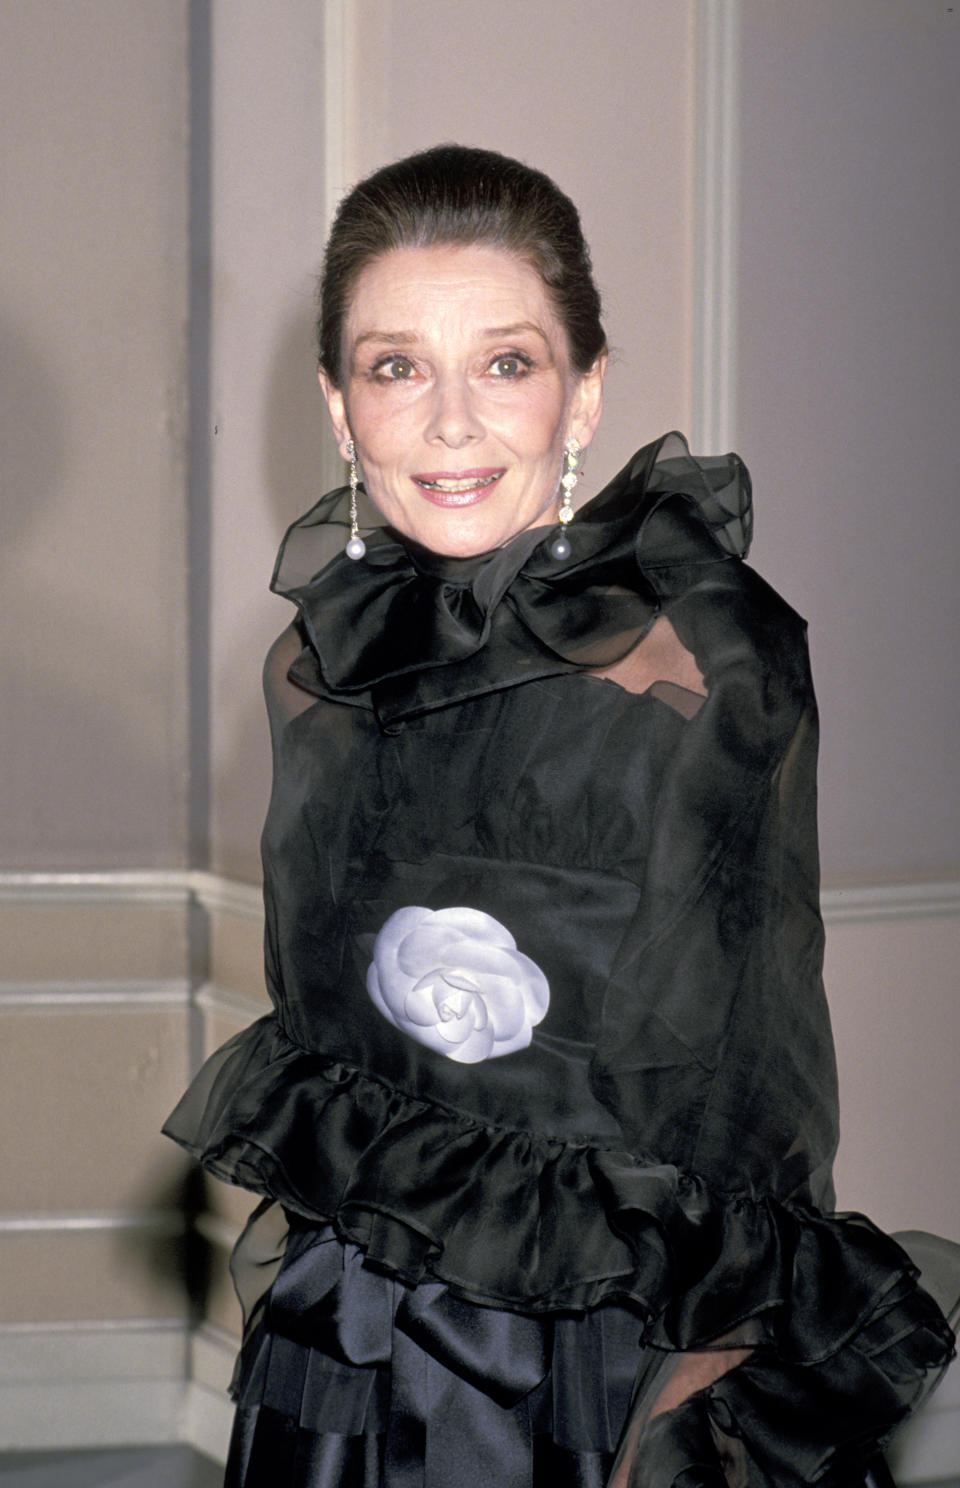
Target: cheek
{"x":528,"y":422}
{"x":383,"y":428}
{"x":536,"y":429}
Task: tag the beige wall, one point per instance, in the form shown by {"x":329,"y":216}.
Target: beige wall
{"x":93,"y":343}
{"x":604,"y":104}
{"x":847,"y":323}
{"x":848,"y":316}
{"x":264,"y":434}
{"x":93,"y":1050}
{"x":93,"y":702}
{"x":274,"y":171}
{"x":98,"y":734}
{"x":893,"y":986}
{"x":849,"y":398}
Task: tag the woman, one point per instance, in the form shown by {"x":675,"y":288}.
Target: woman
{"x":545,"y":1117}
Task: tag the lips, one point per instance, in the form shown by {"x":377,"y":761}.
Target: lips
{"x":457,"y":488}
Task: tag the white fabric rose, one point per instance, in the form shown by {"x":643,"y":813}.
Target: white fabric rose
{"x":454,"y":980}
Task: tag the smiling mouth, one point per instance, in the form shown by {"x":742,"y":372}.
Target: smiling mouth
{"x":455,"y":484}
{"x":457,"y":490}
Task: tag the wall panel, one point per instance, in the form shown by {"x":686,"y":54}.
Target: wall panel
{"x":93,"y":343}
{"x":603,"y":104}
{"x":849,"y":396}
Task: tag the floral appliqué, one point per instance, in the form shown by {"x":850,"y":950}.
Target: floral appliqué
{"x":454,"y":980}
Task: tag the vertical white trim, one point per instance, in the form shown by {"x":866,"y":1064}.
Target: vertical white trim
{"x":716,"y":214}
{"x":337,"y":21}
{"x":338,"y":49}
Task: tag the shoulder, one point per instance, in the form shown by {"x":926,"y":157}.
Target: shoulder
{"x":280,"y":657}
{"x":683,"y":559}
{"x":286,"y":694}
{"x":750,"y":645}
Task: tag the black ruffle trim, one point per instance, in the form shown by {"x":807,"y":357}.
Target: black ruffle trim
{"x":408,"y":631}
{"x":844,"y":1340}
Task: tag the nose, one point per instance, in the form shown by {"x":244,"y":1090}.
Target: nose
{"x":453,"y":418}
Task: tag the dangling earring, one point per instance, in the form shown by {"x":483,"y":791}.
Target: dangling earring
{"x":560,"y":547}
{"x":356,"y":547}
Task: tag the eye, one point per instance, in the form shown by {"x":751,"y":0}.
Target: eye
{"x":512,"y":365}
{"x":394,"y":368}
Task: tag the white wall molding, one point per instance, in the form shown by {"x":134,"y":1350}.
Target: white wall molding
{"x":156,"y":1221}
{"x":228,"y":896}
{"x":338,"y":109}
{"x":223,"y":1001}
{"x":337,"y":59}
{"x":207,"y":1420}
{"x":159,"y":886}
{"x":217,"y":1230}
{"x":716,"y":217}
{"x":927,"y":1451}
{"x":93,"y":1385}
{"x":208,"y":1413}
{"x":115,"y":1384}
{"x":121,"y":1384}
{"x":902,"y":901}
{"x":217,"y":893}
{"x":95,"y":994}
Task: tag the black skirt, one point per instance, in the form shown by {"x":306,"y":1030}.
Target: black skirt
{"x":349,"y":1379}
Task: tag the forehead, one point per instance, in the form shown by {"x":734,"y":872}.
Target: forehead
{"x":477,"y":285}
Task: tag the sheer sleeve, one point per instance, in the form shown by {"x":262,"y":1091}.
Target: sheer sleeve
{"x":715,"y":1049}
{"x":285,"y":700}
{"x":787,"y":1339}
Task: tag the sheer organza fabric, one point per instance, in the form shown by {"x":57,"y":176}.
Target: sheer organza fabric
{"x":614,"y":758}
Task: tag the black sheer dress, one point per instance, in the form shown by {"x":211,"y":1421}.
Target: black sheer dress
{"x":548,"y":1099}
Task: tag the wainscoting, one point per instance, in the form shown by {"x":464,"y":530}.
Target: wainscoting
{"x":117,"y":1321}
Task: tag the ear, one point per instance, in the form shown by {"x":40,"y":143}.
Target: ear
{"x":338,"y":411}
{"x":587,"y":403}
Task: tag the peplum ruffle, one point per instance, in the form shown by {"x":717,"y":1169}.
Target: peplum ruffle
{"x":844,"y":1341}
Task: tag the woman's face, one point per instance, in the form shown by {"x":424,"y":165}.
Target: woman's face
{"x":459,"y":394}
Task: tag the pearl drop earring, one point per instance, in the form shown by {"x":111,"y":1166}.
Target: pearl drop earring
{"x":560,"y":547}
{"x":356,"y":547}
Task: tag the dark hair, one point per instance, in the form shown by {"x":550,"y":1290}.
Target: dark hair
{"x":456,"y":194}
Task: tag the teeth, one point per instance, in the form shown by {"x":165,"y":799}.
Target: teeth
{"x":467,"y":483}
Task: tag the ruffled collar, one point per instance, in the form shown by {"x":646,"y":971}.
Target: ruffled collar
{"x":406,"y":631}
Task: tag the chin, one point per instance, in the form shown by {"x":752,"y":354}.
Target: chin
{"x":454,"y":541}
{"x":458,"y":550}
{"x":468,"y":540}
{"x":465,"y":547}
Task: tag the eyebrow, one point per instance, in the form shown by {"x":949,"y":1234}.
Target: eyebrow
{"x":490,"y":333}
{"x":496,"y":332}
{"x":392,"y":338}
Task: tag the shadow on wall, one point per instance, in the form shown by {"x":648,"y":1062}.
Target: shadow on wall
{"x":89,"y":708}
{"x":34,"y":433}
{"x":172,"y":1253}
{"x":300,"y":463}
{"x":300,"y":456}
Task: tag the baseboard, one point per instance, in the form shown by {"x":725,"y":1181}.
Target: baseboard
{"x":125,"y":1384}
{"x":208,"y":1412}
{"x":118,"y":1384}
{"x":92,"y":1385}
{"x":928,"y":1449}
{"x":114,"y":1385}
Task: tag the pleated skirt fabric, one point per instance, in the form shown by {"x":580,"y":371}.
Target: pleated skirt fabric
{"x":349,"y":1379}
